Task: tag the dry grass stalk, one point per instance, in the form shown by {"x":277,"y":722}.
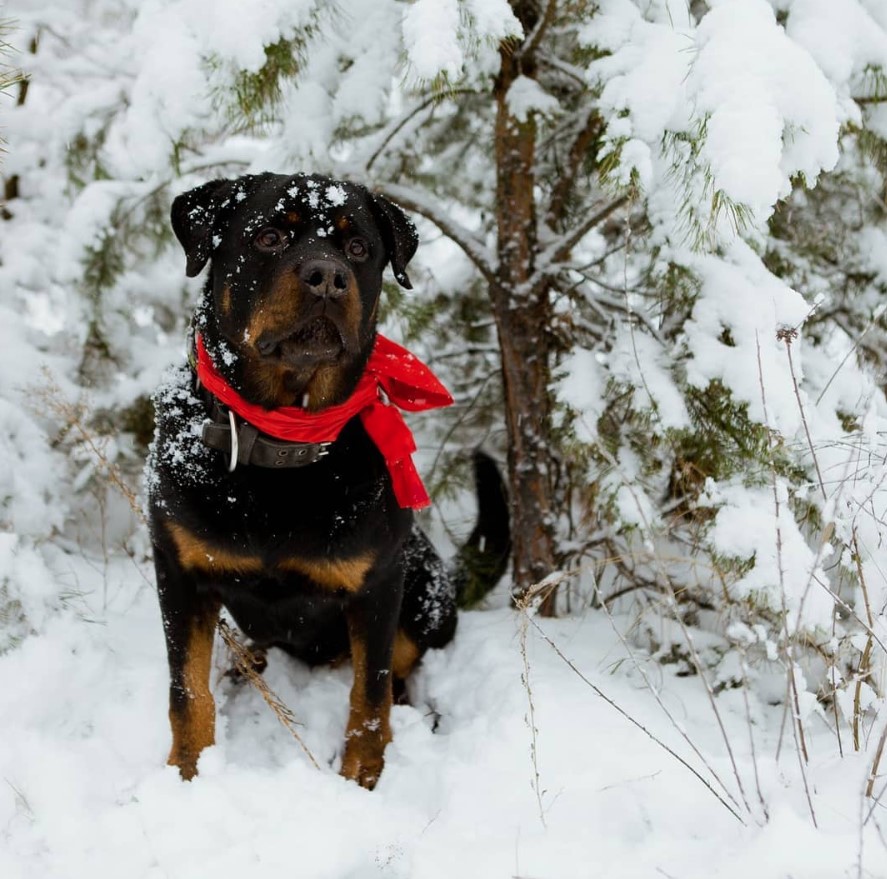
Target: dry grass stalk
{"x":656,"y":695}
{"x":873,"y":774}
{"x":751,"y":733}
{"x":865,"y":660}
{"x":792,"y":686}
{"x":74,"y":418}
{"x":671,"y":594}
{"x":538,"y":593}
{"x":531,"y":716}
{"x":244,"y":662}
{"x":787,"y":336}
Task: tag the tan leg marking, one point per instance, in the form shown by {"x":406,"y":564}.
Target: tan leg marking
{"x":193,"y":721}
{"x":406,"y":655}
{"x":369,"y":727}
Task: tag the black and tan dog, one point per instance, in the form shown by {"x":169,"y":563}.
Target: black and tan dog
{"x":307,"y":538}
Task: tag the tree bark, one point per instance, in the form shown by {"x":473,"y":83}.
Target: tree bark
{"x":522,"y":314}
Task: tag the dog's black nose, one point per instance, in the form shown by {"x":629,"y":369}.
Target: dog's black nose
{"x":324,"y":278}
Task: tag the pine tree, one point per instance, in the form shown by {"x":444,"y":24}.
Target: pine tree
{"x":631,"y":210}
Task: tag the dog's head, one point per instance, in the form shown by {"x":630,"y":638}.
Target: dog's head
{"x":296,"y":263}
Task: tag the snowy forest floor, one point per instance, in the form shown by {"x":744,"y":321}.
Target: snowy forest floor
{"x":86,"y":793}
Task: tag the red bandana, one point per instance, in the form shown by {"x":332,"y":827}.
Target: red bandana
{"x":392,"y":374}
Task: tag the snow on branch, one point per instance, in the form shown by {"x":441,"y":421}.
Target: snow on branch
{"x":442,"y":38}
{"x":722,"y":115}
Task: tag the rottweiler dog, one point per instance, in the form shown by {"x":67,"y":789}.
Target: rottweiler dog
{"x":280,"y":482}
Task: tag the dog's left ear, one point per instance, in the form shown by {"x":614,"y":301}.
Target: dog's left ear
{"x":194,"y":216}
{"x":399,"y":235}
{"x":200,"y":214}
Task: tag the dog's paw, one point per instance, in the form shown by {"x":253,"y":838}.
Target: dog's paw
{"x":365,"y":774}
{"x":185,"y":762}
{"x":364,"y":757}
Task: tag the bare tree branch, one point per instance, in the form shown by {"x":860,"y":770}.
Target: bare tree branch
{"x":570,"y":71}
{"x":534,"y":38}
{"x":466,"y":240}
{"x":431,"y":100}
{"x":587,"y":135}
{"x":563,"y":246}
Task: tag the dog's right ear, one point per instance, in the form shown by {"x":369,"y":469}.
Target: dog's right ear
{"x":398,"y":233}
{"x":195,"y":217}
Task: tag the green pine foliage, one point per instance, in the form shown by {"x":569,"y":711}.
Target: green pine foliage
{"x":630,"y":285}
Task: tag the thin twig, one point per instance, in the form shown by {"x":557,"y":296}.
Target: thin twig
{"x":72,"y":415}
{"x":655,"y":692}
{"x":589,"y":132}
{"x":672,"y":594}
{"x":878,"y":313}
{"x":535,"y":36}
{"x":531,"y":718}
{"x":864,"y":668}
{"x":787,"y":336}
{"x":245,"y":664}
{"x":433,"y":99}
{"x":597,"y":690}
{"x":565,"y":247}
{"x":852,"y":613}
{"x":873,"y":773}
{"x":797,"y":727}
{"x":751,"y":735}
{"x":834,"y":672}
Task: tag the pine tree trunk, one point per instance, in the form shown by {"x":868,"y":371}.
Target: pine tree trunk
{"x":522,"y":317}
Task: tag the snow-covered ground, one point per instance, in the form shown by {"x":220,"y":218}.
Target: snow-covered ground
{"x":86,"y":793}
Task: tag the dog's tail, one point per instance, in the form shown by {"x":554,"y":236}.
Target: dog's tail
{"x":482,"y":560}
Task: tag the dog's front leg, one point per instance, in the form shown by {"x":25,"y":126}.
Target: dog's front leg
{"x":372,"y":623}
{"x":189,"y":622}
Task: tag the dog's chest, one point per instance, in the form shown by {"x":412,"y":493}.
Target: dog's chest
{"x":316,"y":512}
{"x":321,"y":527}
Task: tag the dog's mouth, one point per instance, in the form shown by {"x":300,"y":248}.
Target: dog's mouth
{"x":317,"y":341}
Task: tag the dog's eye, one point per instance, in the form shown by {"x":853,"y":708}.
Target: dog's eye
{"x":357,"y":249}
{"x":269,"y":239}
